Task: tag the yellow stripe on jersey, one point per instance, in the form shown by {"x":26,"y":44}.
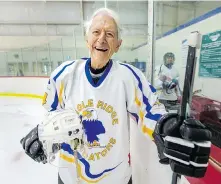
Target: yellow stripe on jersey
{"x":141,"y":115}
{"x":137,"y":101}
{"x":85,"y":179}
{"x":44,"y":100}
{"x":66,"y":158}
{"x":147,"y":131}
{"x":72,"y":160}
{"x":60,"y":93}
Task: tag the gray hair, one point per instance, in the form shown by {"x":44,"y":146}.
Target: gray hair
{"x":109,"y":12}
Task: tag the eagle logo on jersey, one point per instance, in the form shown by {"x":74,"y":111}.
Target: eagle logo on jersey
{"x":96,"y":135}
{"x":93,"y":127}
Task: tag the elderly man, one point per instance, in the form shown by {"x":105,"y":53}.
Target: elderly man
{"x":106,"y":93}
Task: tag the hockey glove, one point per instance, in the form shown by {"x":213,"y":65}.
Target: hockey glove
{"x":186,"y":144}
{"x":167,"y":85}
{"x":172,"y":85}
{"x":175,"y":81}
{"x":33,"y":147}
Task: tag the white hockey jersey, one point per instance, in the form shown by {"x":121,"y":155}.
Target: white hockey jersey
{"x":170,"y":74}
{"x":106,"y":107}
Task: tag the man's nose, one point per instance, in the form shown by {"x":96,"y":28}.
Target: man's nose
{"x":102,"y":37}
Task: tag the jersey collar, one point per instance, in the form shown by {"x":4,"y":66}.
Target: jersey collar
{"x":88,"y":74}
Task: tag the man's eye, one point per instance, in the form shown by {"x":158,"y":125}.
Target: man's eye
{"x":95,"y":32}
{"x":110,"y":35}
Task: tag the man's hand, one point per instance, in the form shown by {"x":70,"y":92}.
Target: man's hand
{"x":33,"y":147}
{"x":186,"y":144}
{"x":163,"y":78}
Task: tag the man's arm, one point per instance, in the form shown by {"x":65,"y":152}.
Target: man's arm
{"x":186,"y":144}
{"x":53,"y":100}
{"x":143,"y":104}
{"x":31,"y":143}
{"x":53,"y":96}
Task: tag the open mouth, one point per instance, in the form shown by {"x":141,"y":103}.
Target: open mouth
{"x":101,"y":49}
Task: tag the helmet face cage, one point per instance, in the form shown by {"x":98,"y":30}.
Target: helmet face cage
{"x":168,"y":63}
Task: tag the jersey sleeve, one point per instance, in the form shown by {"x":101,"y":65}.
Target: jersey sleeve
{"x":143,"y":104}
{"x":50,"y":100}
{"x":157,"y":82}
{"x":54,"y":95}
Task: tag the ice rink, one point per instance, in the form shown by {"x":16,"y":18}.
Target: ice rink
{"x":19,"y":115}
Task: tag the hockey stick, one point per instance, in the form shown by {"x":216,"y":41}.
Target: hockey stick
{"x":188,"y":83}
{"x":75,"y":144}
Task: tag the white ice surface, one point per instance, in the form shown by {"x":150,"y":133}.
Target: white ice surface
{"x":19,"y":115}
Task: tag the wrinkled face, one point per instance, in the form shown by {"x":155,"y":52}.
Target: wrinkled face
{"x":102,"y":40}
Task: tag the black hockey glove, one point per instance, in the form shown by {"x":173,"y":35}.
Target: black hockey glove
{"x":184,"y":145}
{"x":172,"y":85}
{"x":167,"y":85}
{"x":33,"y":147}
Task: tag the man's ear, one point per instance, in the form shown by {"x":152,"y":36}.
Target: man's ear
{"x":118,"y":46}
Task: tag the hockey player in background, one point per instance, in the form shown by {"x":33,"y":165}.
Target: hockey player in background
{"x":166,"y":81}
{"x":107,"y":93}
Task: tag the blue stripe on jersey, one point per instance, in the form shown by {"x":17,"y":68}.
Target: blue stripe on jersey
{"x":60,"y":72}
{"x":84,"y":58}
{"x":135,"y":115}
{"x":145,"y":99}
{"x":54,"y":105}
{"x":67,"y":147}
{"x":152,"y":89}
{"x":103,"y":76}
{"x":154,"y":117}
{"x":88,"y":172}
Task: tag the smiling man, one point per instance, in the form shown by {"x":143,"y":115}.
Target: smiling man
{"x":102,"y":39}
{"x":106,"y":94}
